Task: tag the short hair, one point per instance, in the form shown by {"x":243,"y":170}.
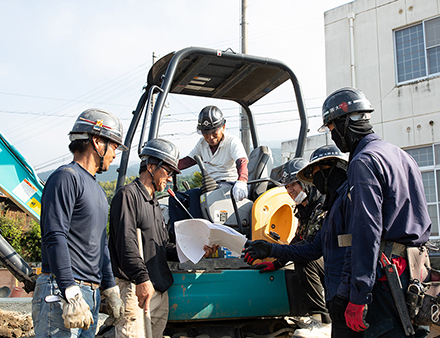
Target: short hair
{"x":78,"y":146}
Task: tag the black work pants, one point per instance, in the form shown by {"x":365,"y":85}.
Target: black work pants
{"x":311,"y":275}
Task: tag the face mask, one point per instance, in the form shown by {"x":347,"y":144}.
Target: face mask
{"x":319,"y":183}
{"x":338,"y":141}
{"x":300,"y":198}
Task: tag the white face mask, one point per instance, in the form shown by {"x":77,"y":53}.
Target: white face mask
{"x":301,"y":197}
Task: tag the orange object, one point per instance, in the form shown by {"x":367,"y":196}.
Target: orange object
{"x":16,"y":292}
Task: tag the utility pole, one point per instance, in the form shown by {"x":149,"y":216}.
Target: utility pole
{"x":244,"y":122}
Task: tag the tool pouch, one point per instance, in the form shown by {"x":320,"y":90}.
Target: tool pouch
{"x":422,"y":296}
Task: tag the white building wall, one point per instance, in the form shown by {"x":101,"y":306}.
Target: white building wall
{"x":288,"y":148}
{"x":406,"y":115}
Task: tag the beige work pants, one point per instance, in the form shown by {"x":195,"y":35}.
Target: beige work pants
{"x":132,"y":325}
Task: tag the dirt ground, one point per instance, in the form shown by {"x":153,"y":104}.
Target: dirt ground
{"x":16,"y":318}
{"x":15,"y":324}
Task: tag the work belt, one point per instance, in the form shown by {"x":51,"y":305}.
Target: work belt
{"x":94,"y":286}
{"x":389,"y":248}
{"x":393,"y":248}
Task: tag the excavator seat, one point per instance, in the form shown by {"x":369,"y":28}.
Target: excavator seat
{"x":259,"y":166}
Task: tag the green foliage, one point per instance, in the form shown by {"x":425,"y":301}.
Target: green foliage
{"x":32,"y":243}
{"x":197,"y":180}
{"x":27,"y":243}
{"x":11,"y":230}
{"x":110,"y":187}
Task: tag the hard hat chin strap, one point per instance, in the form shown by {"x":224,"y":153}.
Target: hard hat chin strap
{"x":152,"y":175}
{"x":344,"y":133}
{"x":101,"y":157}
{"x":321,"y":170}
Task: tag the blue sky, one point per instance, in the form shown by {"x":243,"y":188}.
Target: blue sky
{"x":61,"y":57}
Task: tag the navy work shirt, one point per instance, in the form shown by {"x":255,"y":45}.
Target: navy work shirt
{"x":388,"y":199}
{"x":325,"y":243}
{"x":74,"y":213}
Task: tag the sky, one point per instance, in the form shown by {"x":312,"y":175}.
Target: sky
{"x":59,"y":58}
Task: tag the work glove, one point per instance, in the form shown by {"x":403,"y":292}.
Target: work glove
{"x":267,"y":266}
{"x":76,"y":312}
{"x":115,"y":306}
{"x":337,"y":309}
{"x":256,"y":250}
{"x":355,"y":317}
{"x":240,"y":190}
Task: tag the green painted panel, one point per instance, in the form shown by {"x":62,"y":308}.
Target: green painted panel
{"x":227,"y":294}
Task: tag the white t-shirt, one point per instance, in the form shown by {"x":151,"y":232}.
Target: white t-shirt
{"x":221,"y":165}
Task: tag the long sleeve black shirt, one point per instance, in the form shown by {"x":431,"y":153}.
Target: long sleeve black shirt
{"x":133,"y":207}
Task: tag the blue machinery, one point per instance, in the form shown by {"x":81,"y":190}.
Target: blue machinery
{"x":18,"y":182}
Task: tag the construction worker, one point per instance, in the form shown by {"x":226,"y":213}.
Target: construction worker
{"x":144,"y":279}
{"x":308,"y":210}
{"x":327,"y":172}
{"x":387,"y":197}
{"x":225,"y":160}
{"x":74,"y":254}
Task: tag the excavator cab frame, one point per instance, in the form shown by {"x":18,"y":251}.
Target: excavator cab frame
{"x":223,"y":75}
{"x":216,"y":74}
{"x":224,"y":289}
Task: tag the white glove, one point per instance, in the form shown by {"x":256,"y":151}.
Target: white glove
{"x":240,"y":190}
{"x":115,"y":306}
{"x":76,"y":312}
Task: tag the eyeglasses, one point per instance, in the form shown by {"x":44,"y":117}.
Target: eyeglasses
{"x":168,"y":171}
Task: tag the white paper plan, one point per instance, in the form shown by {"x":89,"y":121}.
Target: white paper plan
{"x":193,"y":234}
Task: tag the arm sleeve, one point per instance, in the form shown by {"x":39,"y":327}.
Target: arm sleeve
{"x":171,"y":252}
{"x":344,"y":286}
{"x":108,"y":280}
{"x":124,"y":227}
{"x":59,"y":202}
{"x":242,"y":169}
{"x":186,"y":162}
{"x":299,"y":253}
{"x":366,"y":228}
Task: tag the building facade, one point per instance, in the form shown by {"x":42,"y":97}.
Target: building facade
{"x":390,"y":49}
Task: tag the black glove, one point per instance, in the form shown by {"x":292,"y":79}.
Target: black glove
{"x":267,"y":266}
{"x":337,"y":309}
{"x":256,"y":250}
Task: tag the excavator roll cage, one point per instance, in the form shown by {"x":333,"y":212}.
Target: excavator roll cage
{"x":215,"y":74}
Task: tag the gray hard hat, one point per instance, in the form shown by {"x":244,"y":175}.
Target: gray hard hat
{"x":290,"y":170}
{"x":100,"y":123}
{"x":163,"y":150}
{"x":210,"y":119}
{"x":323,"y":155}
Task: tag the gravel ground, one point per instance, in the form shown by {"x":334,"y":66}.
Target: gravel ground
{"x":21,"y":305}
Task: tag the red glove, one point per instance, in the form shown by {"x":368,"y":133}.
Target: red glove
{"x":355,"y":317}
{"x":264,"y":267}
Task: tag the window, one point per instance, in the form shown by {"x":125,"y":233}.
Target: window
{"x":428,"y":159}
{"x":418,"y":50}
